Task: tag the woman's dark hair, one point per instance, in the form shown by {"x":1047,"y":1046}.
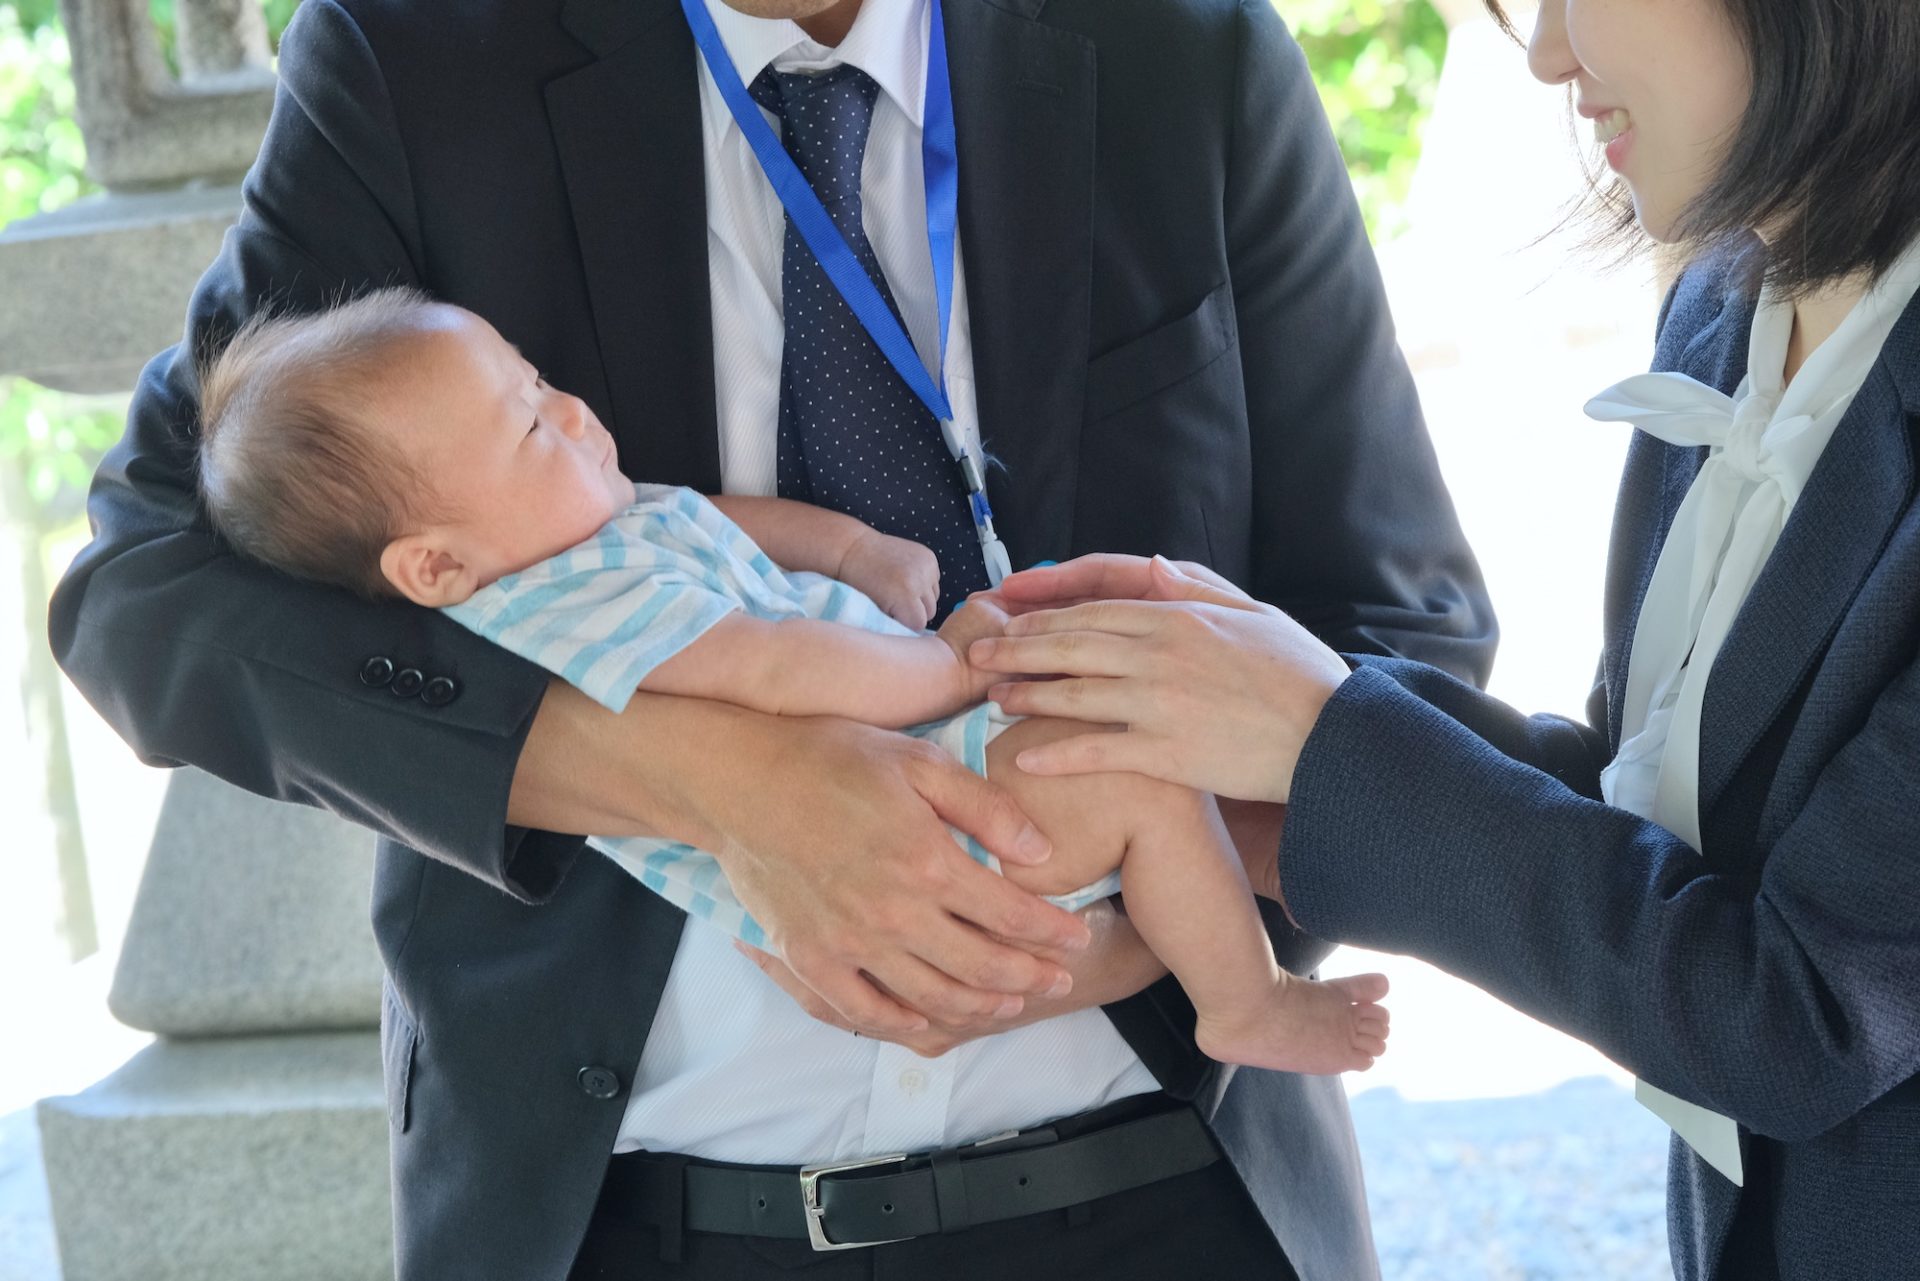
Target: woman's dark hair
{"x":1827,"y":156}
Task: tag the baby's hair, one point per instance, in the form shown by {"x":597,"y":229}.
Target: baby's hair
{"x":294,"y":471}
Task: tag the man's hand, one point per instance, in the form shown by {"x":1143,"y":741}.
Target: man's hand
{"x":901,"y":576}
{"x":839,"y":847}
{"x":1116,"y":965}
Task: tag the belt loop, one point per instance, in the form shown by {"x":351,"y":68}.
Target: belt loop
{"x":950,"y":1192}
{"x":672,"y":1216}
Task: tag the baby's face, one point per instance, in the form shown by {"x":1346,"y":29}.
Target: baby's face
{"x":519,"y":470}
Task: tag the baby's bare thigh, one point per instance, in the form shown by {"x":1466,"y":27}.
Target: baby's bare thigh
{"x":1090,"y":818}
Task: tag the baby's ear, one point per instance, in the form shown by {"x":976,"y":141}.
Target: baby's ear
{"x":422,"y":569}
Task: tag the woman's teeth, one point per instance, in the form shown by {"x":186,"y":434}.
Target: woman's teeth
{"x":1610,"y":126}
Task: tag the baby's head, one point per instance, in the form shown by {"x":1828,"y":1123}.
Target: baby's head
{"x":398,"y":446}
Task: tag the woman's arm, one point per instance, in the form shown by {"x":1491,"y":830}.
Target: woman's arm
{"x":1781,"y":996}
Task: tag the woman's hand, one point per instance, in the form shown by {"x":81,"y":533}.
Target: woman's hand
{"x":901,"y":576}
{"x":1217,"y":690}
{"x":1117,"y":965}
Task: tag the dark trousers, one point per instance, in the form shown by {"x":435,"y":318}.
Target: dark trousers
{"x":1194,"y":1227}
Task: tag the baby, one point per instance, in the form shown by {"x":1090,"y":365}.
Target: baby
{"x":401,"y":447}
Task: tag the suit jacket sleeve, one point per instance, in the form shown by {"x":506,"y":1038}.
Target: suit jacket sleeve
{"x":1353,"y":530}
{"x":1410,"y":832}
{"x":1354,"y":533}
{"x":197,"y":656}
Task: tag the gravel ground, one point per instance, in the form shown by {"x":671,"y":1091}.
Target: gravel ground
{"x":1565,"y":1185}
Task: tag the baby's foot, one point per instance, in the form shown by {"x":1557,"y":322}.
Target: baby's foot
{"x":1304,"y":1026}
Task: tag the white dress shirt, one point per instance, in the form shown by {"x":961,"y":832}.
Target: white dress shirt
{"x":733,"y":1070}
{"x":1764,"y":442}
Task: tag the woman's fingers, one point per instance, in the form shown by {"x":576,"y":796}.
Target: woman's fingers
{"x":1185,"y":580}
{"x":1100,"y":576}
{"x":1069,"y":653}
{"x":1100,"y":701}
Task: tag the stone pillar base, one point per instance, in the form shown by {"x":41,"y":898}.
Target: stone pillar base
{"x":262,"y":1158}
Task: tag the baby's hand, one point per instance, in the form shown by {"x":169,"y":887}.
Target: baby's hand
{"x":901,"y":576}
{"x":984,"y":616}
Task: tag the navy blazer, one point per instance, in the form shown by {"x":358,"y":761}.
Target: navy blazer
{"x":1181,"y":345}
{"x":1773,"y":976}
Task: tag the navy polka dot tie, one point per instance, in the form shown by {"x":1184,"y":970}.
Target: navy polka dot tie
{"x":853,"y":436}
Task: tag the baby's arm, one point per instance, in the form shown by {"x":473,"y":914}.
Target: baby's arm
{"x":808,"y":667}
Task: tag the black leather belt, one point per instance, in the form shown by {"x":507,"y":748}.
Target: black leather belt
{"x":891,"y":1198}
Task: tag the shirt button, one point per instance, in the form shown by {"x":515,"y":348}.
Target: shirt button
{"x":912,"y":1081}
{"x":376,"y":671}
{"x":440,"y":691}
{"x":599,"y":1082}
{"x":406,"y":682}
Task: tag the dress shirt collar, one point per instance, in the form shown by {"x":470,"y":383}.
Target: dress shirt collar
{"x":888,"y":42}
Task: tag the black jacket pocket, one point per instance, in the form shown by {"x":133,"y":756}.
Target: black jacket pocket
{"x":1156,"y":360}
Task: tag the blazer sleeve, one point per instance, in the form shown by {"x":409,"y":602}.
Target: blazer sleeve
{"x":1354,"y":532}
{"x":1784,"y":1000}
{"x":199,"y":657}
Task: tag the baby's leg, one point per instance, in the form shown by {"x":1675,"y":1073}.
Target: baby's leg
{"x":1187,"y":893}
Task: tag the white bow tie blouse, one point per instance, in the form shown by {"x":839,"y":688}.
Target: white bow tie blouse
{"x":1764,"y":442}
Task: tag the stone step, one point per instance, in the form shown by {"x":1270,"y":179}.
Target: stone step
{"x":251,"y":918}
{"x":263,"y":1158}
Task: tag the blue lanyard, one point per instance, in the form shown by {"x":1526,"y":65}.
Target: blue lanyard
{"x":940,"y":161}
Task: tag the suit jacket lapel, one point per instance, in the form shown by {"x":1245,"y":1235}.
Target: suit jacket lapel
{"x":627,"y":128}
{"x":1837,"y":531}
{"x":1024,"y":114}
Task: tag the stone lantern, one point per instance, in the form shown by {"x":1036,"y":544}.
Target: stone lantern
{"x":250,"y":1140}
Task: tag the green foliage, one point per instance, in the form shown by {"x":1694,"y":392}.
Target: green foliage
{"x":1377,"y":65}
{"x":56,"y":440}
{"x":53,"y":440}
{"x":41,"y":152}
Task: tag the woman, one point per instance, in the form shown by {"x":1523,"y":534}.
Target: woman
{"x":1718,"y":882}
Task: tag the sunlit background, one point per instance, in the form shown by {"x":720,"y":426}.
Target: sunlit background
{"x":1494,"y":1146}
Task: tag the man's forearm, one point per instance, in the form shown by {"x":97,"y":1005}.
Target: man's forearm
{"x":590,"y":771}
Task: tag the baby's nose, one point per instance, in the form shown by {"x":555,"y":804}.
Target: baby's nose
{"x":573,"y":417}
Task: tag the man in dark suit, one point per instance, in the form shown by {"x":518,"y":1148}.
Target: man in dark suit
{"x":1179,"y":344}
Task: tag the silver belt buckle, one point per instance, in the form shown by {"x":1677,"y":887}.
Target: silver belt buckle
{"x":810,"y":1200}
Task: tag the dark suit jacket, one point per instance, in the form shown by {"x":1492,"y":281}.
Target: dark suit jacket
{"x":1181,"y":346}
{"x":1774,"y":976}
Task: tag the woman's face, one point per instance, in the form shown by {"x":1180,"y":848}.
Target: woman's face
{"x":1664,"y":83}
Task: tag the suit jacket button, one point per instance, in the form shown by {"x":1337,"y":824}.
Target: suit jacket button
{"x":376,"y":671}
{"x":599,"y":1083}
{"x":406,"y":682}
{"x":440,"y":691}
